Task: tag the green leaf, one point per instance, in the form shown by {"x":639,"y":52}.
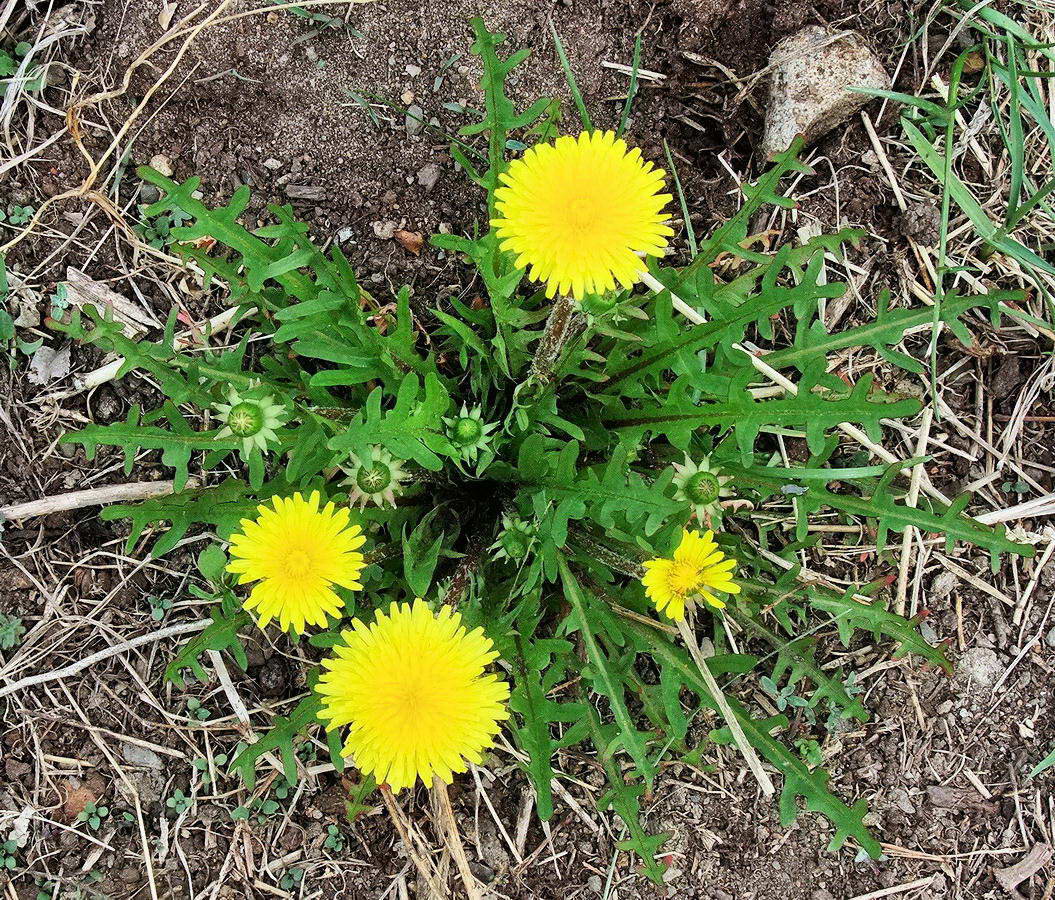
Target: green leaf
{"x":799,"y":779}
{"x":1043,"y":765}
{"x":538,"y":665}
{"x":222,"y":506}
{"x":280,"y":737}
{"x":500,"y":116}
{"x":669,"y":346}
{"x":679,"y":415}
{"x":608,"y":494}
{"x":600,"y":674}
{"x":624,"y":798}
{"x":220,"y":635}
{"x":260,"y":260}
{"x":850,"y":614}
{"x":176,"y":444}
{"x":813,"y":344}
{"x":419,"y":555}
{"x":796,"y":661}
{"x":882,"y":505}
{"x":412,"y":429}
{"x":211,"y":563}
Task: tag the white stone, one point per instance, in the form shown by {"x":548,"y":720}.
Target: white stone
{"x":980,"y":666}
{"x":811,"y":71}
{"x":162,"y":164}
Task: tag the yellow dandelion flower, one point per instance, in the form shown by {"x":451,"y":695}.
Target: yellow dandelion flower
{"x":297,"y":552}
{"x":413,"y":689}
{"x":577,"y":212}
{"x":699,"y":568}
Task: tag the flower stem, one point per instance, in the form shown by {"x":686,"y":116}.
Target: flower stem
{"x":739,"y":738}
{"x":564,"y":323}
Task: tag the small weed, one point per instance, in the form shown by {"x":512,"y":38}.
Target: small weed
{"x":156,"y":232}
{"x":9,"y":63}
{"x":291,"y":879}
{"x":59,"y":300}
{"x":810,"y":750}
{"x":8,"y":849}
{"x":267,"y":808}
{"x":179,"y":802}
{"x":11,"y":627}
{"x":195,"y":709}
{"x":202,"y":765}
{"x":46,"y":890}
{"x":93,"y":815}
{"x":356,"y":804}
{"x":261,"y":807}
{"x":159,"y":607}
{"x":783,"y":697}
{"x":334,"y":839}
{"x":18,"y":215}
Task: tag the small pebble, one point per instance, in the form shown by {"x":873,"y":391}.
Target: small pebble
{"x":428,"y":176}
{"x":384,"y":230}
{"x":162,"y":164}
{"x":415,"y":114}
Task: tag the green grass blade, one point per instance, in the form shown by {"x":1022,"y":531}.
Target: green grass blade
{"x":1043,"y":765}
{"x":971,"y":207}
{"x":631,"y":91}
{"x":573,"y":85}
{"x":690,"y":232}
{"x":1016,"y":143}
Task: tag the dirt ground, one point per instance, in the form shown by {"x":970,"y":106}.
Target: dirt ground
{"x":315,"y":116}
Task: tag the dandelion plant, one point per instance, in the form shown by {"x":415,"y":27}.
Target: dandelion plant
{"x":487,"y":508}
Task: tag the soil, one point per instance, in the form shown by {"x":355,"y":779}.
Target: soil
{"x":314,"y":116}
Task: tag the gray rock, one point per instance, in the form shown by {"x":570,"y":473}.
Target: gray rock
{"x":415,"y":118}
{"x":135,"y":755}
{"x":49,"y":365}
{"x":980,"y":667}
{"x":428,"y":176}
{"x":811,"y":71}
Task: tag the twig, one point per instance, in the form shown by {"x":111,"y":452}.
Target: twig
{"x":112,"y":493}
{"x":454,"y":839}
{"x":420,"y":862}
{"x":82,"y":664}
{"x":896,"y":889}
{"x":911,"y":500}
{"x":739,"y":738}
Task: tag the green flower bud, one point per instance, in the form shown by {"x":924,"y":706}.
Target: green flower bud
{"x":245,"y":419}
